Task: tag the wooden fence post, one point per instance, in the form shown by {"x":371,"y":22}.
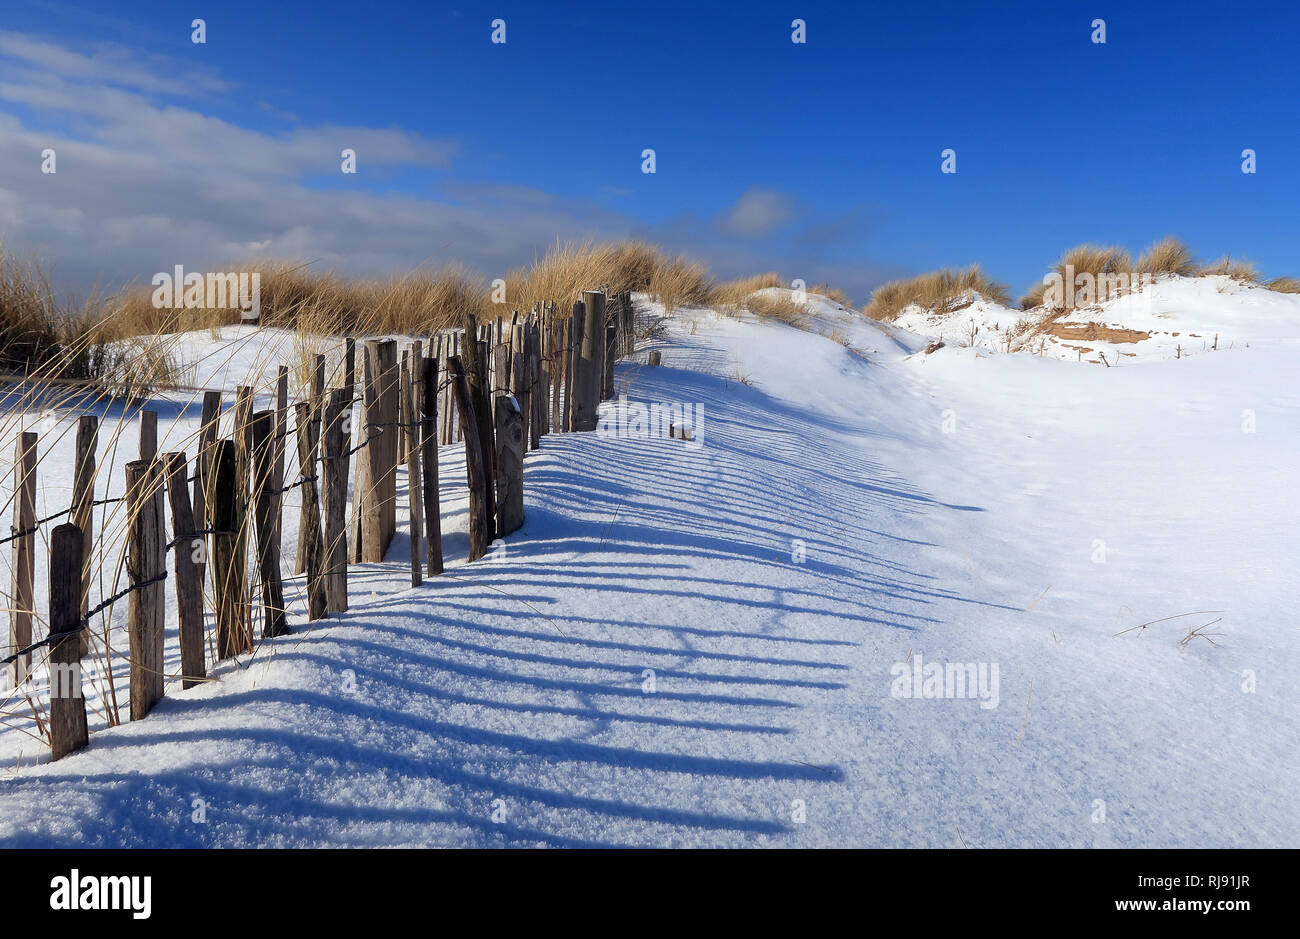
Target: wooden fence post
{"x":208,"y":424}
{"x":312,"y":551}
{"x":338,"y":420}
{"x":226,"y":520}
{"x":410,"y":431}
{"x":83,"y":511}
{"x":536,"y":406}
{"x":520,"y":386}
{"x":593,"y":344}
{"x":405,"y":365}
{"x":655,"y":357}
{"x":556,"y":366}
{"x":22,"y":596}
{"x":475,"y":471}
{"x":611,"y":354}
{"x":363,"y":489}
{"x":429,"y":466}
{"x":313,"y":417}
{"x":473,"y":367}
{"x":281,"y":441}
{"x":509,"y":465}
{"x":244,"y":482}
{"x":573,"y":353}
{"x":350,"y":367}
{"x":268,"y":549}
{"x":389,"y":389}
{"x":68,"y":731}
{"x":444,"y":405}
{"x":145,"y":603}
{"x":375,"y":492}
{"x":589,"y":365}
{"x":187,"y":555}
{"x":148,"y":435}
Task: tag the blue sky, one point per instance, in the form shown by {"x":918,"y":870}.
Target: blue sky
{"x":818,"y":160}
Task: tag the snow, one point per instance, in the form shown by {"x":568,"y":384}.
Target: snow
{"x":1180,"y":317}
{"x":851,"y":504}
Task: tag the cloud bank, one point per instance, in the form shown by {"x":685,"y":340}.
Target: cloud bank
{"x":149,"y":176}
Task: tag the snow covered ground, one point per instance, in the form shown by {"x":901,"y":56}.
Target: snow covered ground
{"x":1171,"y":318}
{"x":706,"y":642}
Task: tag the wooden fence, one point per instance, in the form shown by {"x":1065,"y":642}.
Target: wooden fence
{"x":497,"y":386}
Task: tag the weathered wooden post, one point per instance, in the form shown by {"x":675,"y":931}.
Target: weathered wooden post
{"x":281,"y":443}
{"x":555,"y":366}
{"x":68,"y":731}
{"x":208,"y":425}
{"x":473,"y":368}
{"x":350,"y":367}
{"x":338,"y":421}
{"x":547,"y":348}
{"x":226,"y":521}
{"x":519,"y":374}
{"x":573,"y":352}
{"x":187,"y":560}
{"x":593,"y":343}
{"x":22,"y":595}
{"x":363,"y":491}
{"x":404,"y":366}
{"x":444,"y":403}
{"x":429,"y":466}
{"x":475,"y":471}
{"x":536,"y":409}
{"x":316,"y":397}
{"x":268,"y":549}
{"x":655,"y":357}
{"x":611,"y":354}
{"x":509,"y":465}
{"x":589,"y":364}
{"x":148,"y":435}
{"x":144,"y":565}
{"x":83,"y":510}
{"x":309,"y":524}
{"x":389,"y":389}
{"x":244,"y":481}
{"x":375,"y":492}
{"x":410,"y":431}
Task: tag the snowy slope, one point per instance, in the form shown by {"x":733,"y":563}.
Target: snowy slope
{"x":983,"y":324}
{"x":848,"y":510}
{"x":1171,"y":318}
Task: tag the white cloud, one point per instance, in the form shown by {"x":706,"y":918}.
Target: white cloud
{"x":758,"y":212}
{"x":148,"y":178}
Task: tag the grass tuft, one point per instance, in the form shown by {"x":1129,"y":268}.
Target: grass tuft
{"x":944,"y":290}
